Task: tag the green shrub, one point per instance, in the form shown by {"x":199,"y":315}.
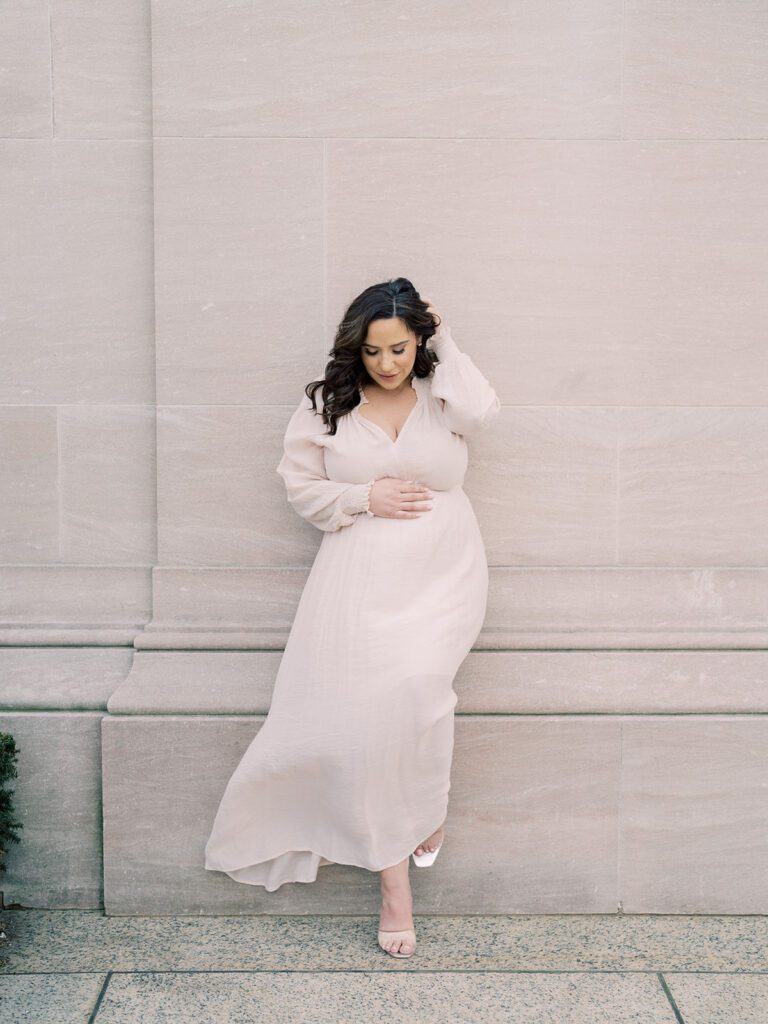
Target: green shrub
{"x":8,"y":825}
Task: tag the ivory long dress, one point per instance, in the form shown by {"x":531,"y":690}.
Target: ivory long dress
{"x":352,"y":764}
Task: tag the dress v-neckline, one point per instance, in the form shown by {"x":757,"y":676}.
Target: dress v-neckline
{"x":364,"y":399}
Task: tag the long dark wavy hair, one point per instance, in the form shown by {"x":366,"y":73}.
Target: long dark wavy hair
{"x":345,"y":371}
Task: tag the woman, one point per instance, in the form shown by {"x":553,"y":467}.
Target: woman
{"x":352,"y":764}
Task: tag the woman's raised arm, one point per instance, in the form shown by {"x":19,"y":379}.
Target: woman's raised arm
{"x":469,"y":401}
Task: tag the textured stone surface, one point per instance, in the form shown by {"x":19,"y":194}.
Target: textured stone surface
{"x":238,"y":250}
{"x":107,"y":474}
{"x":584,"y":969}
{"x":432,"y":998}
{"x":232,"y":515}
{"x":25,"y":106}
{"x":53,"y":998}
{"x":670,"y":51}
{"x":643,"y":608}
{"x":589,"y":277}
{"x":720,"y":998}
{"x":51,"y":603}
{"x":103,"y":81}
{"x":548,"y":813}
{"x":694,"y":818}
{"x":540,"y":607}
{"x":62,"y":940}
{"x":78,"y":312}
{"x":28,"y":459}
{"x":515,"y":72}
{"x":539,"y":795}
{"x":57,"y":797}
{"x":613,"y":682}
{"x":61,"y":678}
{"x":490,"y":682}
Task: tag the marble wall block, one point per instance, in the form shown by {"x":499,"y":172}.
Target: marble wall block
{"x":77,"y":272}
{"x":695,"y":71}
{"x":694,"y":816}
{"x":25,"y":99}
{"x":238,"y":249}
{"x":437,"y":70}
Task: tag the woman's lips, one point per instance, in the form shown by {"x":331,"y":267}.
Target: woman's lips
{"x":387,"y":376}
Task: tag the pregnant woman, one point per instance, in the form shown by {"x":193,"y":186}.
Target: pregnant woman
{"x":352,"y":764}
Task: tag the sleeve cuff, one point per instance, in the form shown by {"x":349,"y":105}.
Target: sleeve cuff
{"x":357,"y":499}
{"x":443,"y":345}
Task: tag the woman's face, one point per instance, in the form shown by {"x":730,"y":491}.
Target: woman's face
{"x":389,"y":352}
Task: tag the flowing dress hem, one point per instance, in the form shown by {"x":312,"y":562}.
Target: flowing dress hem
{"x":322,"y":856}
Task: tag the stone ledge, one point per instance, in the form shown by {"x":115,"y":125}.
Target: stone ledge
{"x":61,"y":678}
{"x":488,"y":682}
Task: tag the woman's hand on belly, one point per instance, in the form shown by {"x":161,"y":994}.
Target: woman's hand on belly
{"x":395,"y":498}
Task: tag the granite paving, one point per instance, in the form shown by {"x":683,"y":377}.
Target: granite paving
{"x":61,"y":966}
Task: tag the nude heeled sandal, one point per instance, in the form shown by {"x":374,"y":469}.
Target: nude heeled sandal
{"x":408,"y":934}
{"x":425,"y":860}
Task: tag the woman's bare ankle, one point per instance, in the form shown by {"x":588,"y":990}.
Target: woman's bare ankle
{"x":396,"y":911}
{"x":395,"y":882}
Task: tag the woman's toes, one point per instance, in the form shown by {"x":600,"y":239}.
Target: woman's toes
{"x":431,"y":844}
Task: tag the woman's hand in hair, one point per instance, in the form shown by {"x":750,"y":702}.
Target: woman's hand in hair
{"x":439,"y":320}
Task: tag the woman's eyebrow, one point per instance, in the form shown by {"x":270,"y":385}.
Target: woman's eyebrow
{"x":391,"y":346}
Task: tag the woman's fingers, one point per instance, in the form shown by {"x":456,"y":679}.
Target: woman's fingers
{"x":416,"y":496}
{"x":431,"y":307}
{"x":402,"y":498}
{"x":415,"y":489}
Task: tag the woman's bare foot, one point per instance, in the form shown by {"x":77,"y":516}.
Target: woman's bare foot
{"x":431,"y":843}
{"x":396,"y":907}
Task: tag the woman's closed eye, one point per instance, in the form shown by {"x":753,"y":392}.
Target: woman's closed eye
{"x":397,"y":352}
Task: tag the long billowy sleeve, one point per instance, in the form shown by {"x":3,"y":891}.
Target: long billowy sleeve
{"x":469,"y":401}
{"x":327,"y":504}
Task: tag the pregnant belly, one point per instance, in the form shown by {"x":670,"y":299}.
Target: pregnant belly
{"x":418,"y":558}
{"x":402,"y":592}
{"x":427,"y":587}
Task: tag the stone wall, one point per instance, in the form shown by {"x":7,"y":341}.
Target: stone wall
{"x":192,"y":194}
